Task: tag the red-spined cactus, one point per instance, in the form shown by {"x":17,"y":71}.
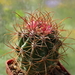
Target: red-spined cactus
{"x":38,"y":43}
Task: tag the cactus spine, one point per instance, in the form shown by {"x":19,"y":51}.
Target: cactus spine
{"x":39,"y":43}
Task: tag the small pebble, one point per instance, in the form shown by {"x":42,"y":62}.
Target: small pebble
{"x":20,"y":74}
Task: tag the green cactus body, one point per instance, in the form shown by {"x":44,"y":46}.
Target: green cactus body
{"x":39,"y":54}
{"x":39,"y":45}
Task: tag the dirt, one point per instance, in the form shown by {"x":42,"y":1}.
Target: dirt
{"x":15,"y":69}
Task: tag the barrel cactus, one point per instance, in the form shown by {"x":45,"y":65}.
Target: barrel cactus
{"x":38,"y":44}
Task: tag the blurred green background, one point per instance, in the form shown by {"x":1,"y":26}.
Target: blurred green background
{"x":61,"y":8}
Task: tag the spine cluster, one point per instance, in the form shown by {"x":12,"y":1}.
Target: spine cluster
{"x":38,"y":43}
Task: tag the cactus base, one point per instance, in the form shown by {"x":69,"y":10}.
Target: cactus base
{"x":13,"y":69}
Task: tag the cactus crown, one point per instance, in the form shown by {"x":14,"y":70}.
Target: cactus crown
{"x":38,"y":43}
